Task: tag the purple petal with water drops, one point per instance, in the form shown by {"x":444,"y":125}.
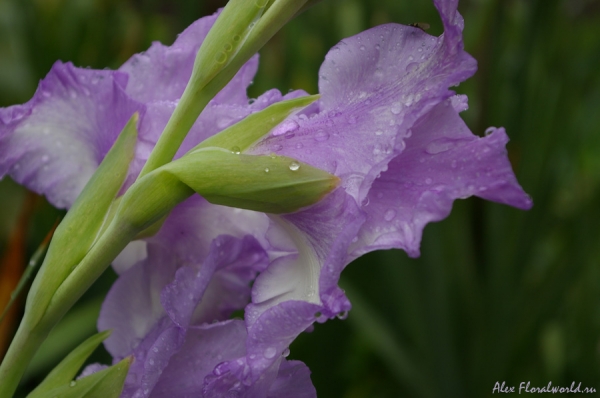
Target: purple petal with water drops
{"x":54,"y":143}
{"x":443,"y":161}
{"x":132,"y":307}
{"x":238,"y":260}
{"x":300,"y":288}
{"x":293,"y":381}
{"x":374,"y":86}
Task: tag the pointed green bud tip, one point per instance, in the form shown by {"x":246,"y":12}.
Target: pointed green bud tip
{"x":270,"y":184}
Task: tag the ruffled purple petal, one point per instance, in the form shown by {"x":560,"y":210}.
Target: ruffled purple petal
{"x":54,"y":143}
{"x":374,"y":86}
{"x":236,"y":260}
{"x":443,"y":161}
{"x":293,"y":381}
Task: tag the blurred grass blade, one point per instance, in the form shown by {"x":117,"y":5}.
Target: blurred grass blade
{"x":375,"y":331}
{"x":35,"y":261}
{"x":66,"y":370}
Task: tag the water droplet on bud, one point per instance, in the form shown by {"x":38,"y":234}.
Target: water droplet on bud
{"x":294,"y":166}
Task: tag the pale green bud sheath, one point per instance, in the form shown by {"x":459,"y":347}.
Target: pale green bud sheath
{"x":70,"y":244}
{"x":243,"y":27}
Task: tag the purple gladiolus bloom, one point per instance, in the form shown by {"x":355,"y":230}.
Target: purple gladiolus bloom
{"x":387,"y":125}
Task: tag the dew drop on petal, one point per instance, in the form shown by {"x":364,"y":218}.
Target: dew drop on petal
{"x":294,"y":166}
{"x":379,"y":132}
{"x":396,"y":108}
{"x":286,"y":353}
{"x":277,"y":147}
{"x":389,"y":215}
{"x":489,"y":130}
{"x":428,"y":181}
{"x":412,"y":67}
{"x":439,"y":146}
{"x":342,"y":315}
{"x":270,"y":352}
{"x":286,"y":127}
{"x":299,"y":145}
{"x":321,"y":136}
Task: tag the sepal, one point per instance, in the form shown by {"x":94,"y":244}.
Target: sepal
{"x":66,"y":370}
{"x":81,"y":226}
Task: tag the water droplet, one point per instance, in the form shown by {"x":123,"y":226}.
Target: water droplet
{"x":227,"y":47}
{"x":389,"y":215}
{"x":221,"y":57}
{"x":236,"y":150}
{"x":223,"y":122}
{"x":321,"y":136}
{"x":489,"y":130}
{"x":342,"y":315}
{"x":428,"y":181}
{"x":73,"y":383}
{"x":151,"y":362}
{"x":266,"y":170}
{"x":439,"y":146}
{"x":396,"y":108}
{"x":155,"y":349}
{"x":412,"y":67}
{"x":379,"y":132}
{"x":237,"y":38}
{"x":286,"y":353}
{"x":277,"y":147}
{"x":362,"y":48}
{"x":294,"y":166}
{"x":299,"y":145}
{"x":270,"y":352}
{"x":286,"y":127}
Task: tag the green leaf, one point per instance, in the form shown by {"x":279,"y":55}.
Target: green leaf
{"x":72,"y":242}
{"x":107,"y":383}
{"x":80,"y":227}
{"x":246,"y":132}
{"x":66,"y":370}
{"x":243,"y":27}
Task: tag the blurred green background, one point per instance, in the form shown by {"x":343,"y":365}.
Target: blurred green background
{"x":498,"y":294}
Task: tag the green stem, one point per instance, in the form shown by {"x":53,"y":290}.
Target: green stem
{"x":21,"y":350}
{"x":29,"y":337}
